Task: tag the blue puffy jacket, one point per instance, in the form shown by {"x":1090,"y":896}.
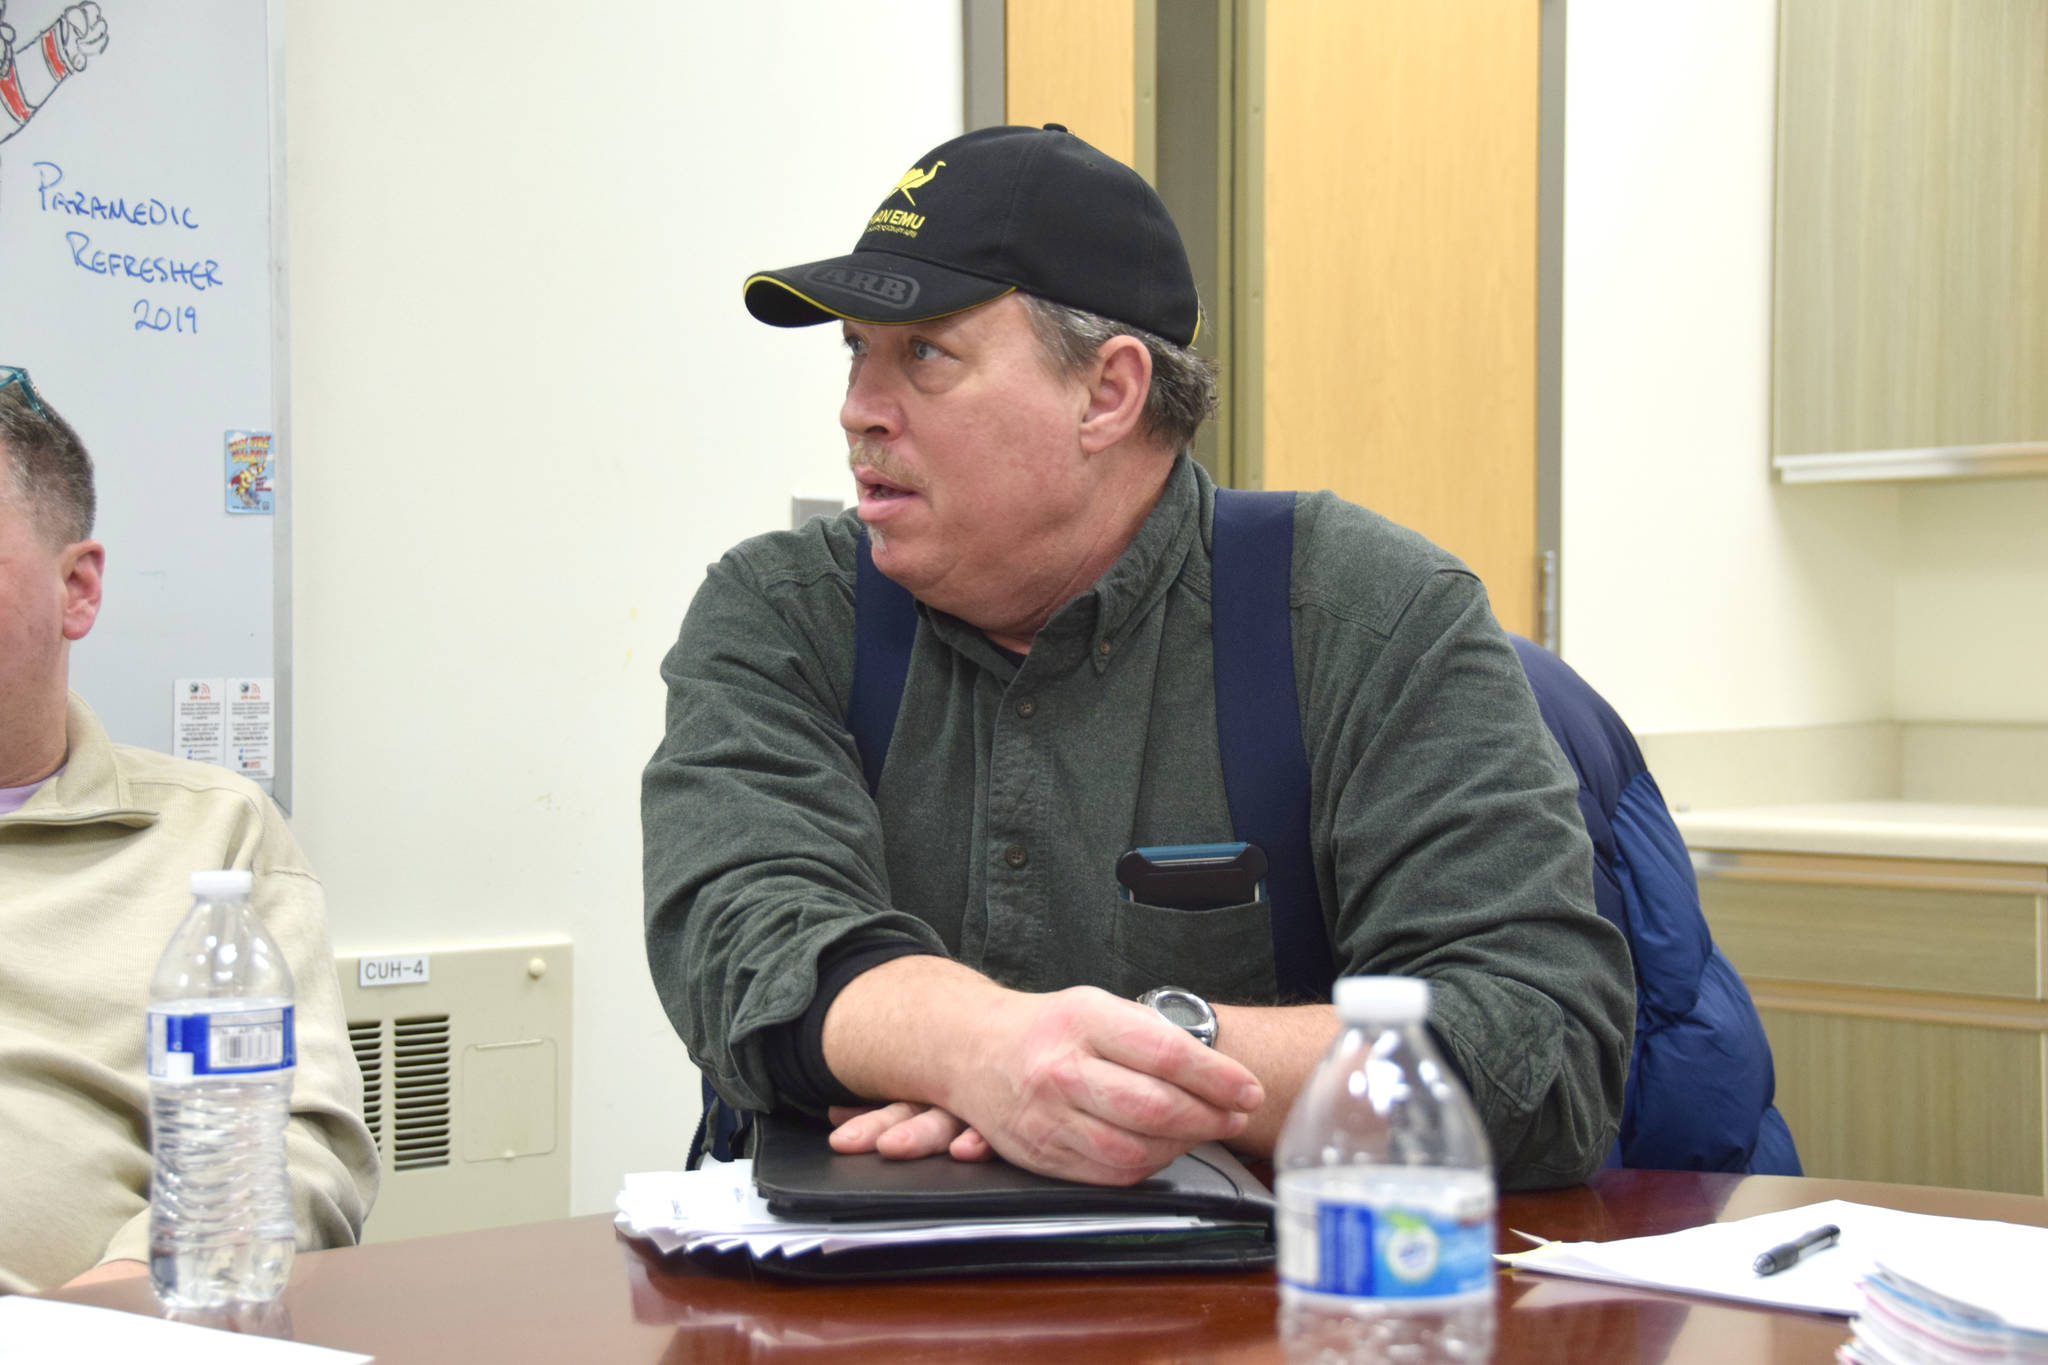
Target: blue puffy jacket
{"x":1700,"y":1082}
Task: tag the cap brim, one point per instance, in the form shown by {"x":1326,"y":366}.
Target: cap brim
{"x":866,"y":286}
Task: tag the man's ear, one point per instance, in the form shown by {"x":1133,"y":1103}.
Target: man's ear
{"x":82,"y":563}
{"x":1119,"y":383}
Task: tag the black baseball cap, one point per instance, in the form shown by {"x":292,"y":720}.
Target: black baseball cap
{"x":996,"y":210}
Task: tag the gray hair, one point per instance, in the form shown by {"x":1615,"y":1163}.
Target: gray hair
{"x":47,"y":469}
{"x":1183,"y":393}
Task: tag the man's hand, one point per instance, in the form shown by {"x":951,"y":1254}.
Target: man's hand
{"x":1091,"y":1087}
{"x":1077,"y":1083}
{"x":904,"y":1132}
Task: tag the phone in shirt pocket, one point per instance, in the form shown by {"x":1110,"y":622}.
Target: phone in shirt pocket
{"x":1193,"y":876}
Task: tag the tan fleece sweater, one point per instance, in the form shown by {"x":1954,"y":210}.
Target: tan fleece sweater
{"x":93,"y":879}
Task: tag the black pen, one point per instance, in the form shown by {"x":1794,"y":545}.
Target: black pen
{"x":1793,"y":1252}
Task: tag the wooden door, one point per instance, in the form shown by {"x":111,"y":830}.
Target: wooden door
{"x":1397,"y":353}
{"x":1075,"y":62}
{"x":1380,"y":305}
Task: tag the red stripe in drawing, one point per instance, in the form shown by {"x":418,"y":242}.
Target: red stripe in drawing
{"x":10,"y":93}
{"x":53,"y":56}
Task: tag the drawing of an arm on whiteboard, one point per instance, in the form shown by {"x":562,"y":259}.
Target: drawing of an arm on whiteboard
{"x":30,"y":73}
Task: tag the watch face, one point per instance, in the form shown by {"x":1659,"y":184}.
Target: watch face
{"x":1184,"y":1010}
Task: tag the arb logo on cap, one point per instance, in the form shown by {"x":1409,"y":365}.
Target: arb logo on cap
{"x":898,"y":291}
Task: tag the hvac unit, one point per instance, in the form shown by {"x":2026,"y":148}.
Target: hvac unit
{"x":465,"y":1060}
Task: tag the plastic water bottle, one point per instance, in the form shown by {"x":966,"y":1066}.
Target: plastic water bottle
{"x":1386,"y":1195}
{"x":221,"y":1054}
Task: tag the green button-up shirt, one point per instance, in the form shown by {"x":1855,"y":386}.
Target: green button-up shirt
{"x":1444,"y":823}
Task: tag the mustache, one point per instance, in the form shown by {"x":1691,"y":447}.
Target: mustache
{"x":868,"y":453}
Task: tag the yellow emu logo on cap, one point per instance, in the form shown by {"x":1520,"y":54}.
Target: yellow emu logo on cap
{"x":915,"y":179}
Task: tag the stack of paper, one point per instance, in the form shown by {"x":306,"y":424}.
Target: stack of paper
{"x":717,"y":1208}
{"x":1955,"y":1300}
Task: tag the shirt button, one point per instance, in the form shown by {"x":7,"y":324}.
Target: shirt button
{"x":1027,"y":708}
{"x":1103,"y":647}
{"x":1016,"y":856}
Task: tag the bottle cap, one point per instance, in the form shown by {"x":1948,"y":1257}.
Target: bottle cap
{"x":1381,"y":999}
{"x":213,"y":886}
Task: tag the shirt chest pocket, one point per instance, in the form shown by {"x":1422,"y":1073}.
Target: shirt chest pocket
{"x":1224,"y":955}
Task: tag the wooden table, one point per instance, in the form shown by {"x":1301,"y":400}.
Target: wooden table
{"x":574,"y":1291}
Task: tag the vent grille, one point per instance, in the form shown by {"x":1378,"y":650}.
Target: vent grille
{"x":465,"y":1055}
{"x":420,"y":1092}
{"x":367,"y":1038}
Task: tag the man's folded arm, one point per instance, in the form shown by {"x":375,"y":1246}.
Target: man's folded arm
{"x":762,"y":846}
{"x":795,"y":1052}
{"x":1076,"y":1083}
{"x":1458,"y":854}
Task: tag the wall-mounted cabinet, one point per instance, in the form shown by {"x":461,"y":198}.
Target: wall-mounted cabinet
{"x":1911,"y":292}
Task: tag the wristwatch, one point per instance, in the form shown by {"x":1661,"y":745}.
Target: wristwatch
{"x":1183,"y":1009}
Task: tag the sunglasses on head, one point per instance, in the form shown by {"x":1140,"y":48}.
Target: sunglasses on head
{"x":11,"y":375}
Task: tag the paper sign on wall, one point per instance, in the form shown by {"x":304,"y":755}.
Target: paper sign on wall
{"x":251,"y":726}
{"x":198,"y":718}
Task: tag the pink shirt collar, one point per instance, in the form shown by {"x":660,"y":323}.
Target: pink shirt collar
{"x":13,"y":799}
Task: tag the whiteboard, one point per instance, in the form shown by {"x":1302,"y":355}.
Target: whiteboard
{"x":141,"y":287}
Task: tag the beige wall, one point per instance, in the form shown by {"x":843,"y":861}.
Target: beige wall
{"x":1697,"y":593}
{"x":527,"y":409}
{"x":1973,"y":602}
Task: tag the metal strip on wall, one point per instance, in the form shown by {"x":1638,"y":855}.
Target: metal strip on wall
{"x":1246,"y":382}
{"x":1145,"y":88}
{"x":1550,"y":145}
{"x":982,"y":78}
{"x":1191,"y":170}
{"x":286,"y":479}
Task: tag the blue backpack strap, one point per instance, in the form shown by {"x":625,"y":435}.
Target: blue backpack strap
{"x":884,"y":629}
{"x":722,"y":1131}
{"x":1258,"y":725}
{"x":1258,"y":715}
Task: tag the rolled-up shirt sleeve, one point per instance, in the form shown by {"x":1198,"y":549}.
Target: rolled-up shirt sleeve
{"x":762,"y":848}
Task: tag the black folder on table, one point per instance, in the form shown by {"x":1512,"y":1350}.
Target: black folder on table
{"x":801,"y":1177}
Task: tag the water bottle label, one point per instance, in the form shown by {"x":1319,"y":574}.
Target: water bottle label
{"x":183,"y":1047}
{"x":1388,"y":1252}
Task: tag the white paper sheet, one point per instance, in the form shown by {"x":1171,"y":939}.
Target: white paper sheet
{"x":199,"y":719}
{"x":47,"y":1332}
{"x":251,"y":741}
{"x":1995,"y":1265}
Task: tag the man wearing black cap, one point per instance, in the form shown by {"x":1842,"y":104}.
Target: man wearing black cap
{"x":933,"y":946}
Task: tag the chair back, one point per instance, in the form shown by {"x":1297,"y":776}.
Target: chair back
{"x":1701,"y":1083}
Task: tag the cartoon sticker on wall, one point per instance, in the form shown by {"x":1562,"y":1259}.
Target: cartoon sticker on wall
{"x":31,"y":70}
{"x":249,"y":473}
